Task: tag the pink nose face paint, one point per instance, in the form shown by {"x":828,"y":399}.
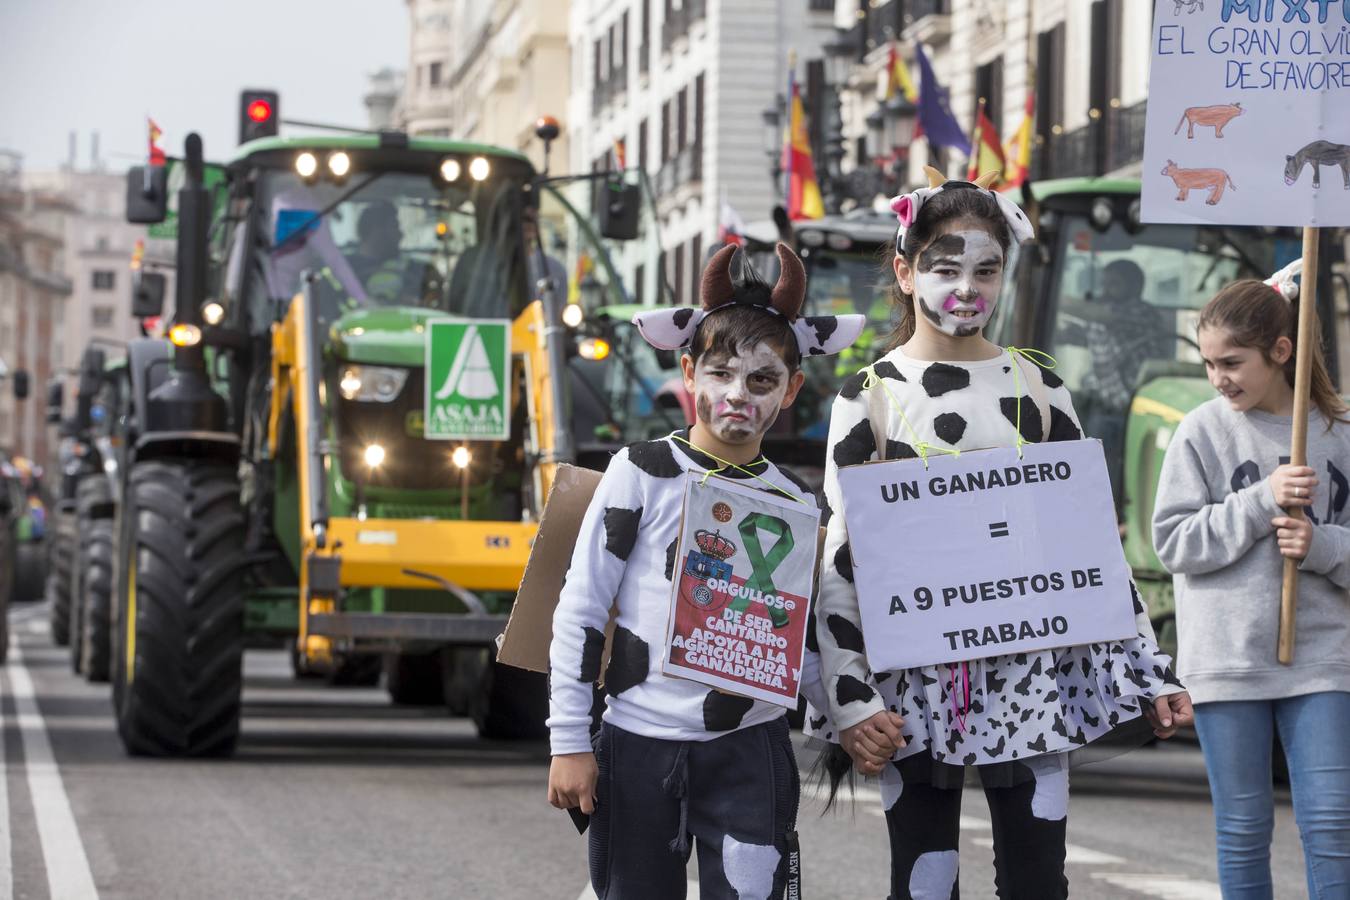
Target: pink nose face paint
{"x":957,"y":281}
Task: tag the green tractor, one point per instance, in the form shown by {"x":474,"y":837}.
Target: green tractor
{"x":289,"y":478}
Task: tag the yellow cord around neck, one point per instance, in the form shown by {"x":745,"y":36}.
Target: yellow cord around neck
{"x":725,"y":464}
{"x":1036,"y":357}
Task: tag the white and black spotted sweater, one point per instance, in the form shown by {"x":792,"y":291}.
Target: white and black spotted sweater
{"x":624,"y":556}
{"x":1022,"y":705}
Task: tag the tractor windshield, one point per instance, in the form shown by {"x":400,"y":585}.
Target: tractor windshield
{"x":391,"y":239}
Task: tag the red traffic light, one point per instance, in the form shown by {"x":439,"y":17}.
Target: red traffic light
{"x":259,"y":111}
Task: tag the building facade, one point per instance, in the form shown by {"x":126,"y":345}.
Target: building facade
{"x":1085,"y":62}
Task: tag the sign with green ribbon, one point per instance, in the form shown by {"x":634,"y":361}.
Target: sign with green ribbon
{"x":468,"y":389}
{"x":741,"y":594}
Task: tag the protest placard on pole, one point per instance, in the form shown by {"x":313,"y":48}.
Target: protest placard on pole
{"x":986,"y":554}
{"x":744,"y":567}
{"x":1246,"y":114}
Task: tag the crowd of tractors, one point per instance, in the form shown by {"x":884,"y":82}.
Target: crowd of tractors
{"x":270,"y":471}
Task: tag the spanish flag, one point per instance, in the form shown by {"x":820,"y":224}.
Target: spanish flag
{"x":986,"y":148}
{"x":1018,"y":150}
{"x":804,"y":200}
{"x":897,"y":77}
{"x":156,"y":152}
{"x":620,"y":155}
{"x":580,"y":273}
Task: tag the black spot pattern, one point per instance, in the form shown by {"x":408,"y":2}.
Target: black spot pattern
{"x":796,"y":480}
{"x":853,"y":386}
{"x":1062,"y":427}
{"x":900,"y":450}
{"x":888,"y":370}
{"x":655,"y":458}
{"x":1032,"y":429}
{"x":1138,"y":604}
{"x":824,"y":327}
{"x":950,"y":427}
{"x":817,"y":724}
{"x":849,"y":690}
{"x":941,"y":378}
{"x":1051,"y":380}
{"x":592,"y":648}
{"x":681,"y":317}
{"x":1038,"y":745}
{"x":621,"y":530}
{"x":670,"y":559}
{"x":843,"y":562}
{"x":858,"y":446}
{"x":629,"y":661}
{"x":723,"y":712}
{"x":846,"y":634}
{"x":812,"y":642}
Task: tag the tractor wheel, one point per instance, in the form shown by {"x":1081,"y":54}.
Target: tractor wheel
{"x":461,"y":673}
{"x":97,"y":580}
{"x":413,"y":679}
{"x":180,"y":609}
{"x":92,"y":501}
{"x":298,"y":670}
{"x":31,"y":572}
{"x":511,"y":704}
{"x":58,"y":577}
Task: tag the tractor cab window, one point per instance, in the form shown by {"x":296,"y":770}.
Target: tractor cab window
{"x":840,"y":283}
{"x":1124,"y":308}
{"x":399,"y":239}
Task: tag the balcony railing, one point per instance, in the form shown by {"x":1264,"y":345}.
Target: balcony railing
{"x":644,"y":58}
{"x":1103,"y":145}
{"x":674,"y":27}
{"x":685,"y":167}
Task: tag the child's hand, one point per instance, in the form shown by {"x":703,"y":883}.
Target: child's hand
{"x":872,"y":741}
{"x":1293,"y":485}
{"x":1293,"y":535}
{"x":1169,"y":713}
{"x":571,"y":781}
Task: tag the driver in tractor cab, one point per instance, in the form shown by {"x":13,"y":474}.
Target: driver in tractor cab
{"x":377,"y":262}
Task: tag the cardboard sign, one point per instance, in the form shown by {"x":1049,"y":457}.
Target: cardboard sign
{"x":468,"y":380}
{"x":1246,"y":121}
{"x":986,"y":554}
{"x":744,"y":568}
{"x":524,"y":643}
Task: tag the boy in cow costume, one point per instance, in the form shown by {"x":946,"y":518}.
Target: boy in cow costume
{"x":676,"y":763}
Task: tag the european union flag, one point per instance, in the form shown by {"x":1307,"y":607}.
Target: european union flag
{"x":935,"y":109}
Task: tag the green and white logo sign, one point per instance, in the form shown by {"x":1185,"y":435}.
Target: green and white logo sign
{"x":468,"y":388}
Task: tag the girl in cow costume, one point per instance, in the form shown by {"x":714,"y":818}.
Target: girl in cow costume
{"x":676,"y":764}
{"x":944,"y":388}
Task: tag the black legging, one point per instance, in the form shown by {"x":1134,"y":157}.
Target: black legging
{"x":925,"y":832}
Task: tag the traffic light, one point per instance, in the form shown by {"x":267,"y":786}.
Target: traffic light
{"x":259,"y":115}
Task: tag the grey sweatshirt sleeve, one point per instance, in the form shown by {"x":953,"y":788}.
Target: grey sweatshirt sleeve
{"x":1193,"y":534}
{"x":1329,"y":554}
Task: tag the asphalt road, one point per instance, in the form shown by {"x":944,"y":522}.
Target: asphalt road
{"x":334,"y":793}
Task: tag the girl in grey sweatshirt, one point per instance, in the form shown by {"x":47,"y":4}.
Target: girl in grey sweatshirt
{"x":1221,"y":526}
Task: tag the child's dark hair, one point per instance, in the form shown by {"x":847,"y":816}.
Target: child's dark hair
{"x":1255,"y":315}
{"x":956,"y":201}
{"x":746,"y":322}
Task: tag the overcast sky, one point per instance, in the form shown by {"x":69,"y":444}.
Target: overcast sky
{"x":95,"y":65}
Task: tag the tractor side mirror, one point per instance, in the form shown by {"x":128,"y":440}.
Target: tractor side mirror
{"x":147,"y":298}
{"x":91,"y":372}
{"x":20,"y":379}
{"x":618,"y":206}
{"x":56,"y":399}
{"x":147,"y":194}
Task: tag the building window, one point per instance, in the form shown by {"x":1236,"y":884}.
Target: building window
{"x":696,"y":261}
{"x":642,"y":146}
{"x":1050,"y":81}
{"x":104,"y":280}
{"x":102,"y":316}
{"x":640,"y":284}
{"x":698,"y":111}
{"x":665,"y":132}
{"x":681,"y":117}
{"x":989,"y":87}
{"x":644,"y":49}
{"x":435,"y":74}
{"x":679,"y":275}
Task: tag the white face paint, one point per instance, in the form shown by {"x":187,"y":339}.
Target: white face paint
{"x":957,"y":279}
{"x":738,"y":397}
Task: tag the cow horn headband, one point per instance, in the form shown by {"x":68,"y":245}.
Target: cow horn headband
{"x":672,"y":329}
{"x":906,"y":207}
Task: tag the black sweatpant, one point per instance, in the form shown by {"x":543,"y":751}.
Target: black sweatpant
{"x":1029,"y":821}
{"x":734,"y":797}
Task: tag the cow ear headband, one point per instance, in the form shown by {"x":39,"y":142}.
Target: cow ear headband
{"x":906,"y":207}
{"x":672,"y":329}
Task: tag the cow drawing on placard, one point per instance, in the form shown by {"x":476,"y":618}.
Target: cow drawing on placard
{"x":1187,"y":180}
{"x":1318,"y":154}
{"x":1191,"y":6}
{"x":1216,"y":116}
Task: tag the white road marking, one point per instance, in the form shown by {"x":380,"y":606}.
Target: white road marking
{"x":38,"y":626}
{"x":68,"y":873}
{"x":692,"y":892}
{"x":1074,"y":855}
{"x":1162,"y":887}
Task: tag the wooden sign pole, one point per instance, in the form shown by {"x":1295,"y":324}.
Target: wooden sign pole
{"x":1298,"y":445}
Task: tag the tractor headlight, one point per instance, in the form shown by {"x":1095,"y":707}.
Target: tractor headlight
{"x":374,"y":455}
{"x":376,"y":384}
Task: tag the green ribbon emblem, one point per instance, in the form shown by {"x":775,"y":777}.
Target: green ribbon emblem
{"x":763,"y":564}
